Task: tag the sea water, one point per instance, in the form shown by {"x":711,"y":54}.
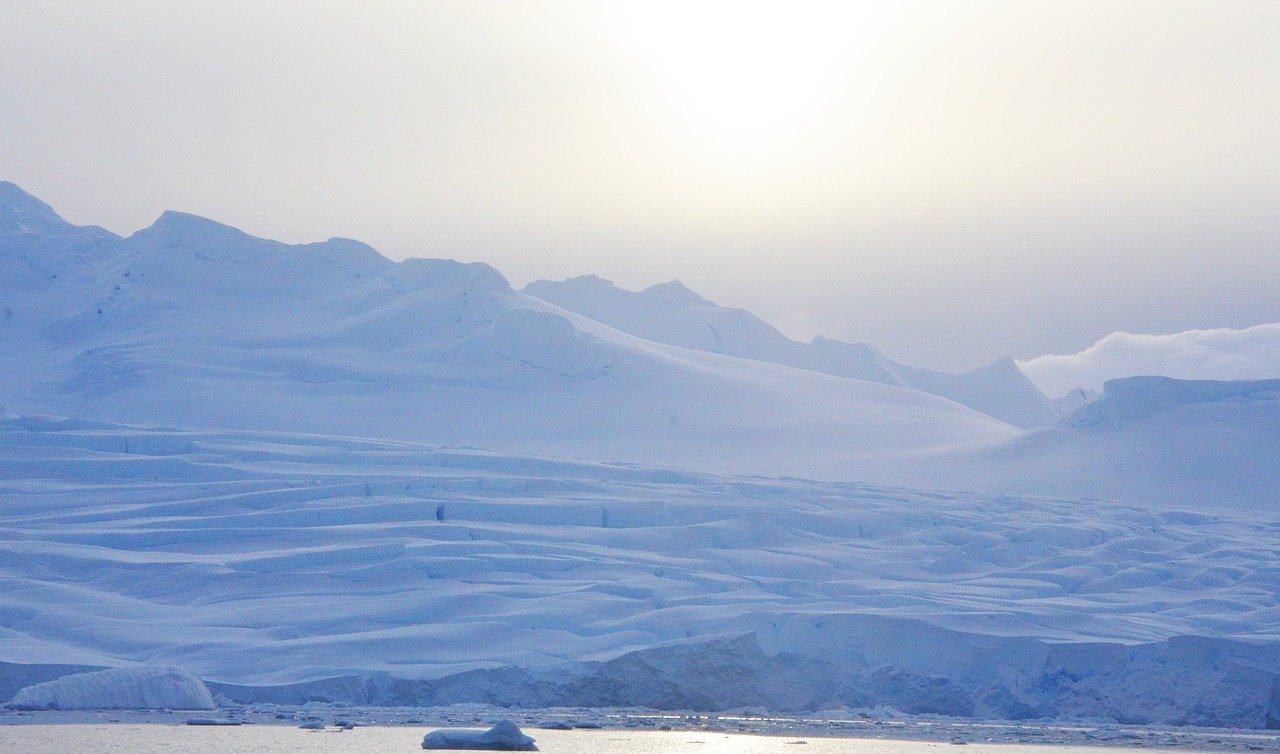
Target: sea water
{"x":270,"y":739}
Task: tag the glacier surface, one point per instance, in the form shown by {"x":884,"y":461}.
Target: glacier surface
{"x":1119,"y":564}
{"x":261,"y":560}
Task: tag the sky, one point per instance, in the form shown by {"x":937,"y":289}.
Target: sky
{"x":952,"y":181}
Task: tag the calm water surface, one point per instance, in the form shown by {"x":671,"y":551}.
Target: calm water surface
{"x":268,"y":739}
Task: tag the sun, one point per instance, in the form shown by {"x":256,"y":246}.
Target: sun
{"x":746,"y":79}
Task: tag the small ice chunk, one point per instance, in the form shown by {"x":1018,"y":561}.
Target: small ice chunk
{"x":505,"y":736}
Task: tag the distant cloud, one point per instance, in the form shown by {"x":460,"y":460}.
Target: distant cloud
{"x":1222,"y":354}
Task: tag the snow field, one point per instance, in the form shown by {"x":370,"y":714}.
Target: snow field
{"x":268,"y":558}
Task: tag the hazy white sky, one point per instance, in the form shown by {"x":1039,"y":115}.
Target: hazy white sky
{"x":953,"y":181}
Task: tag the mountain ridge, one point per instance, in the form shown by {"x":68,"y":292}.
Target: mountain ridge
{"x":196,"y":324}
{"x":672,"y":313}
{"x":192,"y":322}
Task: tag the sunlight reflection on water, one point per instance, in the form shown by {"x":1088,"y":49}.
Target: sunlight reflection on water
{"x":272,"y":739}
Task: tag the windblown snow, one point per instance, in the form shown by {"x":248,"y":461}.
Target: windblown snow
{"x":139,"y":687}
{"x":1225,"y":354}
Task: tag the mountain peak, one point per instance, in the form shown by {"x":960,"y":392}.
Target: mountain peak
{"x":183,"y":224}
{"x":674,"y":292}
{"x":22,"y":213}
{"x":574,"y":286}
{"x":418,"y":272}
{"x":669,"y":295}
{"x":1004,"y":366}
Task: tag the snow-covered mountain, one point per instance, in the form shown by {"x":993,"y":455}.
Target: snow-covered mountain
{"x":671,"y":313}
{"x":1067,"y":404}
{"x":1180,"y":444}
{"x":417,"y":568}
{"x":193,"y":323}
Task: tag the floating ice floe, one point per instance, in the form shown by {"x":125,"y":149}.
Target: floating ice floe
{"x":504,"y":736}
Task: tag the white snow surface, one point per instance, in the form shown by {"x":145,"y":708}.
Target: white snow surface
{"x":671,"y":313}
{"x":137,"y":687}
{"x":1179,"y":444}
{"x":191,"y":323}
{"x":270,"y":558}
{"x":195,"y":324}
{"x":503,"y":736}
{"x":273,"y":547}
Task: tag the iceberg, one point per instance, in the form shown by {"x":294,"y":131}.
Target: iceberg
{"x":140,"y":687}
{"x":504,"y":736}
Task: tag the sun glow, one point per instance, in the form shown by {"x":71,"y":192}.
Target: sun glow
{"x":749,"y":79}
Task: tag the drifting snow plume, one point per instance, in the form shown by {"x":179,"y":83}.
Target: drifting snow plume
{"x":139,"y":687}
{"x":1221,"y":354}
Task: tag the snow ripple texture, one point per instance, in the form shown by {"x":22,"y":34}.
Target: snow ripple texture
{"x":271,"y":558}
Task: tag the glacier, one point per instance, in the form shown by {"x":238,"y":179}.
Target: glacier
{"x":291,"y":567}
{"x":308,"y":472}
{"x":1175,"y":444}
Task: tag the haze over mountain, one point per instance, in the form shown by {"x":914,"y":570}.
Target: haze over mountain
{"x":247,"y":475}
{"x":192,"y":323}
{"x":945,"y":184}
{"x":196,"y":324}
{"x":671,"y":313}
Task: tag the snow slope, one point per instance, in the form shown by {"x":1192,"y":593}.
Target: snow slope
{"x":671,"y":313}
{"x":417,"y":565}
{"x":193,"y":323}
{"x":266,"y":558}
{"x":389,"y":572}
{"x":1198,"y":445}
{"x":137,"y":687}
